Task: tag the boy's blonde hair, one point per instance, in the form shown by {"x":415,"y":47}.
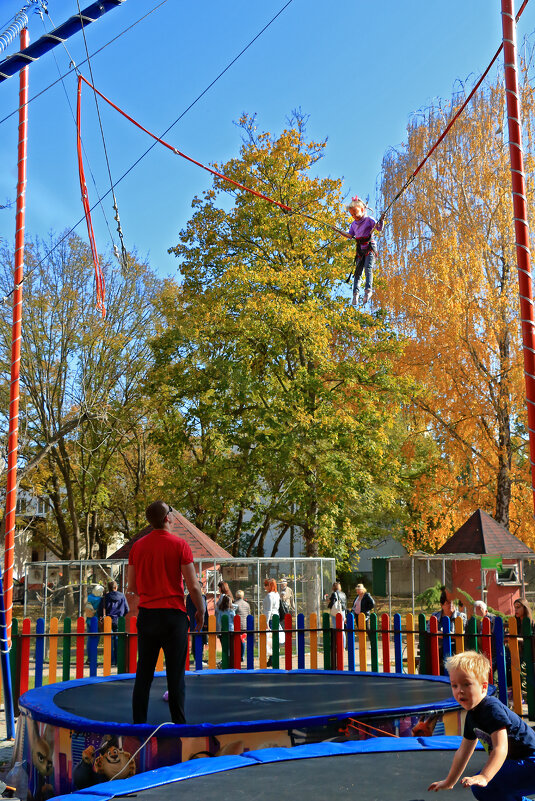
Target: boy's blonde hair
{"x":470,"y":662}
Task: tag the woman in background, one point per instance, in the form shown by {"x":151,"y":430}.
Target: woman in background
{"x":224,"y":589}
{"x":270,"y":607}
{"x":363,"y":603}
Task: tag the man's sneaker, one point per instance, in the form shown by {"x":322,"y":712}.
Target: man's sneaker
{"x":367,"y":295}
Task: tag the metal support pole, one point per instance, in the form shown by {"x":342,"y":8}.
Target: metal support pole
{"x":6,"y":595}
{"x":520,"y":216}
{"x":80,"y":587}
{"x":25,"y":588}
{"x":12,"y":455}
{"x":46,"y":593}
{"x":390,"y":588}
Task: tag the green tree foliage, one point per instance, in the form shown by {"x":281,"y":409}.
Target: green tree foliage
{"x":276,"y":396}
{"x":83,"y":406}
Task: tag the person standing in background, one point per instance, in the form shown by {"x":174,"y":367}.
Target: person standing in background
{"x":113,"y":604}
{"x":243,"y":609}
{"x":270,"y":607}
{"x":287,"y":595}
{"x":157,"y":564}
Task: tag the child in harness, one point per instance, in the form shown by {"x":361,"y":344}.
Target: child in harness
{"x":362,"y":229}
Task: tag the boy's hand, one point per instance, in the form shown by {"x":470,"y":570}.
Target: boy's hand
{"x":478,"y":781}
{"x":442,"y":785}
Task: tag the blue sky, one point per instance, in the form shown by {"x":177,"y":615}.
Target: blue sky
{"x":358,"y":69}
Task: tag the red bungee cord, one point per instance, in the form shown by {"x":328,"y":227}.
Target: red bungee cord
{"x":99,"y":275}
{"x":177,"y":152}
{"x":98,"y":271}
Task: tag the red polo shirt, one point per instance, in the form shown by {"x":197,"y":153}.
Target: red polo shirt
{"x":157,"y":559}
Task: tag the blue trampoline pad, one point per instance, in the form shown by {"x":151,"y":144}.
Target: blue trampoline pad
{"x":385,"y":768}
{"x":238,"y":700}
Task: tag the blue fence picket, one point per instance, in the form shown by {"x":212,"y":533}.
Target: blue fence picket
{"x":92,"y":645}
{"x":198,"y":648}
{"x":499,"y":652}
{"x":398,"y":648}
{"x":39,"y":651}
{"x":446,"y":640}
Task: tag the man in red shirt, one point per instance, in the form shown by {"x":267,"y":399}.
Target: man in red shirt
{"x":156,"y":565}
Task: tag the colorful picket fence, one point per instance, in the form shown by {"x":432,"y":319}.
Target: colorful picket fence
{"x":381,"y":645}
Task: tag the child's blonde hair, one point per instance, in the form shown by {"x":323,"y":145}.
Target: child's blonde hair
{"x":470,"y":662}
{"x":356,"y":201}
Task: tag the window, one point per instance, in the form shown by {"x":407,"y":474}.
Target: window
{"x":21,"y":506}
{"x":41,"y":506}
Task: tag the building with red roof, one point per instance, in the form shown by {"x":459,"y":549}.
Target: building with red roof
{"x":202,"y":546}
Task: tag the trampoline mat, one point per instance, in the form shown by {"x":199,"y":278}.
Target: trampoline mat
{"x":400,"y":776}
{"x":220,"y":697}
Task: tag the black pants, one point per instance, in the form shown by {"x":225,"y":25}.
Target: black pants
{"x":167,"y":629}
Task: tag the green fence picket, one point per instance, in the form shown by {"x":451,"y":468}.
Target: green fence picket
{"x":422,"y":644}
{"x":326,"y":625}
{"x":470,"y":636}
{"x":275,"y":623}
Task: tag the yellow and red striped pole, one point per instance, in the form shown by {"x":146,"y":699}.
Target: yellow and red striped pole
{"x":520,"y":216}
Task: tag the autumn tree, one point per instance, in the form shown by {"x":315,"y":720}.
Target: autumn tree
{"x":83,"y":405}
{"x":276,"y":395}
{"x":451,"y":289}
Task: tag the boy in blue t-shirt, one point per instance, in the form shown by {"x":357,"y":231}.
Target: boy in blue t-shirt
{"x":509,"y":773}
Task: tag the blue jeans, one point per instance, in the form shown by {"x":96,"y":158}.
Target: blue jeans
{"x":364,"y":263}
{"x":114,"y":641}
{"x":514,"y":780}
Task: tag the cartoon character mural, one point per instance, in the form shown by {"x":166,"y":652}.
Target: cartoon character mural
{"x":107,"y":762}
{"x":41,"y":769}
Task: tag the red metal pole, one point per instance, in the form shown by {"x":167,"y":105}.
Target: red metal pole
{"x":520,"y":216}
{"x":11,"y":492}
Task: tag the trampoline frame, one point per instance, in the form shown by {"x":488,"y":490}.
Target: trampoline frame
{"x":39,"y":704}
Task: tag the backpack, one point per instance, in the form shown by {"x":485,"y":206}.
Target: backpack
{"x":336,"y":607}
{"x":284,"y":609}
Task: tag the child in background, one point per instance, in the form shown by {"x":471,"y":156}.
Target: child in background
{"x":509,"y":773}
{"x":362,"y":229}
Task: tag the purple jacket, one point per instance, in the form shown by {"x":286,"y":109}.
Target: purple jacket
{"x":362,"y":230}
{"x":114,"y":604}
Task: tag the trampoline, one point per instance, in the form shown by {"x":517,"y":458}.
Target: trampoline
{"x":375,"y":770}
{"x":80,"y":724}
